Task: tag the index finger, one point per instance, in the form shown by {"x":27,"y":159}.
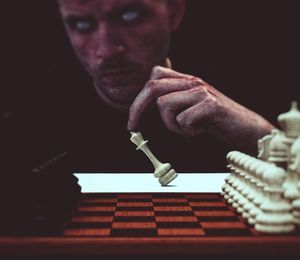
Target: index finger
{"x":152,"y":90}
{"x":159,"y":72}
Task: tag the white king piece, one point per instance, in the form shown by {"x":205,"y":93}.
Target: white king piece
{"x":162,"y":171}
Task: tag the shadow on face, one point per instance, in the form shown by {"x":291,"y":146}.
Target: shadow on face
{"x":119,"y":42}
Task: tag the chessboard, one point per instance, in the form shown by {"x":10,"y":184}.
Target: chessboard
{"x":194,"y":224}
{"x":155,"y":215}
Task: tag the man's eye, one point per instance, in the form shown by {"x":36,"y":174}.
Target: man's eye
{"x":83,"y":26}
{"x":130,"y":16}
{"x":80,"y":25}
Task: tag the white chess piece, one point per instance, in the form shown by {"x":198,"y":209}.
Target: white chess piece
{"x":250,"y":191}
{"x":278,"y":148}
{"x":294,"y":168}
{"x":264,"y":147}
{"x":290,"y":121}
{"x":234,"y":182}
{"x":242,"y":186}
{"x":162,"y":171}
{"x":290,"y":185}
{"x":275,"y":216}
{"x":267,"y":189}
{"x":238,"y":183}
{"x":227,"y":187}
{"x":259,"y":186}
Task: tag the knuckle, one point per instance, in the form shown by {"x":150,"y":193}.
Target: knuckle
{"x":183,"y":120}
{"x":164,"y":103}
{"x":151,"y":86}
{"x":207,"y":96}
{"x":196,"y":90}
{"x":207,"y":89}
{"x":160,"y":101}
{"x":197,"y":81}
{"x":151,"y":83}
{"x":156,"y":70}
{"x":179,"y":119}
{"x":211,"y":102}
{"x":199,"y":92}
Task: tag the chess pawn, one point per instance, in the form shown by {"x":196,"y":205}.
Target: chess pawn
{"x":234,"y":193}
{"x":243,"y":188}
{"x":264,"y":147}
{"x":275,"y":217}
{"x":293,"y":189}
{"x":250,"y":191}
{"x":259,"y":197}
{"x":238,"y":183}
{"x":296,"y":211}
{"x":295,"y":156}
{"x":230,"y":158}
{"x":162,"y":171}
{"x":278,"y":148}
{"x":246,"y":189}
{"x":227,"y":187}
{"x":290,"y":185}
{"x":290,"y":121}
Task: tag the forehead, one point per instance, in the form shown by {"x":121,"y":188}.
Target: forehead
{"x":101,"y":5}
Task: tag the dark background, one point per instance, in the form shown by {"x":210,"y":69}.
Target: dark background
{"x":247,"y":49}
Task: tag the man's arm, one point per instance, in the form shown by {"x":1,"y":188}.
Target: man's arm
{"x":189,"y":106}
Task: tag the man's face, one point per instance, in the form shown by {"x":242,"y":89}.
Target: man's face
{"x":118,"y":42}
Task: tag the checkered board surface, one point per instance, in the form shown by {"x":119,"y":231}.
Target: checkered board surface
{"x":156,"y":215}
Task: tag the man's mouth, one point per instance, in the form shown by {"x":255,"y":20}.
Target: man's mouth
{"x":115,"y":74}
{"x":114,"y":71}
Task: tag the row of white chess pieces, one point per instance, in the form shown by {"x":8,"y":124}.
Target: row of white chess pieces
{"x":261,"y":192}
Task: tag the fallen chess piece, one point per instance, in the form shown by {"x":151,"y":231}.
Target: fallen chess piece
{"x":163,"y":171}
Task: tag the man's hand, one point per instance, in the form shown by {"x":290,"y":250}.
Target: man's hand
{"x":189,"y":106}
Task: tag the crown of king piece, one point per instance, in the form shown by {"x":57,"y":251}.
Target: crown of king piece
{"x":136,"y":138}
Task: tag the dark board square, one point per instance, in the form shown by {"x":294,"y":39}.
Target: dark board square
{"x":170,"y":204}
{"x":174,"y":213}
{"x":134,"y":219}
{"x":134,"y":208}
{"x":133,"y":232}
{"x":176,"y":225}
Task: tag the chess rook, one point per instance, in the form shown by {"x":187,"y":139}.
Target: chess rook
{"x":163,"y":171}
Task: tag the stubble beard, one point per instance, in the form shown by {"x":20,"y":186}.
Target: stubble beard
{"x":120,"y":95}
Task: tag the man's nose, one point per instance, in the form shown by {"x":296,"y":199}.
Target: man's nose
{"x":109,"y":43}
